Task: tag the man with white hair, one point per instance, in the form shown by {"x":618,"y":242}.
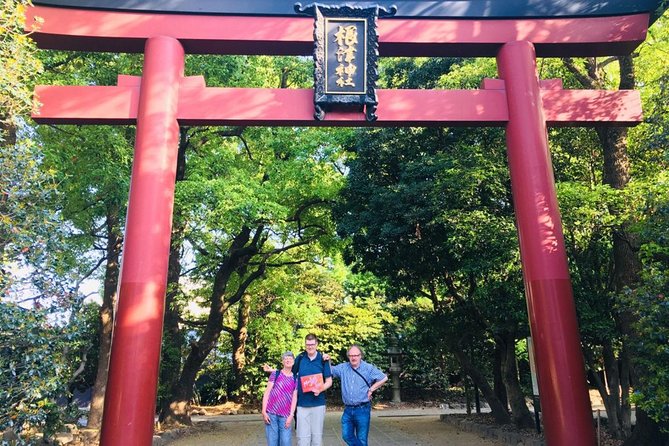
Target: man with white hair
{"x":359,"y":380}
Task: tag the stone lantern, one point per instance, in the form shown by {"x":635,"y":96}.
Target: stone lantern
{"x":395,"y":354}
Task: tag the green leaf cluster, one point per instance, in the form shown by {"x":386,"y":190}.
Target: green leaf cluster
{"x":37,"y":359}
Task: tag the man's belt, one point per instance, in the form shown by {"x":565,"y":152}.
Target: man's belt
{"x":366,"y":403}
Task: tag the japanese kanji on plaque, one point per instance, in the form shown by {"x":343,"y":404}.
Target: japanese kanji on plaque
{"x":345,"y":57}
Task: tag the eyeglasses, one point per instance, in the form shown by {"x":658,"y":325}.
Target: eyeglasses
{"x":353,"y":356}
{"x":311,"y":345}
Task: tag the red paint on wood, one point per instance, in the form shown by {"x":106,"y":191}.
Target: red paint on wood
{"x":133,"y":369}
{"x":591,"y":107}
{"x":562,"y":386}
{"x":565,"y":402}
{"x":289,"y":107}
{"x":92,"y":30}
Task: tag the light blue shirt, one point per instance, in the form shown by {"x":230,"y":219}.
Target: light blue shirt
{"x":353,"y":387}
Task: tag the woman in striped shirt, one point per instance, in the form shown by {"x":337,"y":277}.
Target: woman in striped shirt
{"x":279,"y":402}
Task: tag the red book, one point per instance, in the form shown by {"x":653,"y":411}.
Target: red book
{"x":312,"y":382}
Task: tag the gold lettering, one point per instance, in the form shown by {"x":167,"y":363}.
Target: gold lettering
{"x":346,"y":39}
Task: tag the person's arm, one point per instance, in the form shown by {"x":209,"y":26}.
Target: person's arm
{"x":327,"y":375}
{"x":265,"y":398}
{"x":380,"y":379}
{"x":293,"y":405}
{"x":335,"y":370}
{"x":327,"y":383}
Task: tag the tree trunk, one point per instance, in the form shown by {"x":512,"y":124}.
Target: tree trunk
{"x":499,"y":411}
{"x":173,"y":336}
{"x":519,"y":412}
{"x":498,"y":381}
{"x":113,"y":252}
{"x":239,"y":338}
{"x":7,"y":132}
{"x":176,"y":409}
{"x":627,"y":266}
{"x":612,"y":400}
{"x":616,"y":173}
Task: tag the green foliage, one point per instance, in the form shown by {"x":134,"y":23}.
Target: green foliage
{"x":427,"y":364}
{"x":35,"y":368}
{"x":587,"y":225}
{"x":649,"y":142}
{"x":410,"y":197}
{"x":429,"y":210}
{"x":358,"y":315}
{"x":650,"y":305}
{"x":414,"y":72}
{"x":27,"y":226}
{"x":19,"y":64}
{"x":287,"y":305}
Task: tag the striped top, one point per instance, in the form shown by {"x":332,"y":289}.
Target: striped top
{"x":281,"y":395}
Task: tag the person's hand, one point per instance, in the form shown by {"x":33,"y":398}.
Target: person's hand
{"x":370,"y":392}
{"x":326,"y":357}
{"x":266,"y":368}
{"x":318,"y":391}
{"x":266,"y":418}
{"x":289,"y":420}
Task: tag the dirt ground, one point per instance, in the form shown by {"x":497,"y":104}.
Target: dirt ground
{"x":392,"y":425}
{"x":388,"y":429}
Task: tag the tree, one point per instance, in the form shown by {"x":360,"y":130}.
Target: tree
{"x":18,"y":71}
{"x":432,"y":215}
{"x":92,"y":167}
{"x":252,"y":204}
{"x":650,"y":306}
{"x":32,"y":232}
{"x":625,"y":273}
{"x":23,"y":187}
{"x":93,"y":190}
{"x":39,"y":359}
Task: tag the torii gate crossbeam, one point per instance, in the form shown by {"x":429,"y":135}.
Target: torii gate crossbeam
{"x":163,"y":98}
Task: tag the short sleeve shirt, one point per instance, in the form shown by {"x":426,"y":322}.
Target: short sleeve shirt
{"x":281,"y":395}
{"x":353,"y":386}
{"x":311,"y":367}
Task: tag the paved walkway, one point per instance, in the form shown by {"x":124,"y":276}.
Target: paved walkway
{"x":389,"y":428}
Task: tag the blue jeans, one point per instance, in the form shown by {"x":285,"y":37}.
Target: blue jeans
{"x":276,"y":431}
{"x":355,"y":425}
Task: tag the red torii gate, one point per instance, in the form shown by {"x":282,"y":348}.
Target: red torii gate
{"x":162,"y":99}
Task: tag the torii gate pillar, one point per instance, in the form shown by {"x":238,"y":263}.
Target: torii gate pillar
{"x":550,"y":301}
{"x":130,"y":399}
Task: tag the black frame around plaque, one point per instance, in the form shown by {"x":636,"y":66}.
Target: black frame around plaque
{"x":326,"y":96}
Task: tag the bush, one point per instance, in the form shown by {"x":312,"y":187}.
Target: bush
{"x":33,"y":371}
